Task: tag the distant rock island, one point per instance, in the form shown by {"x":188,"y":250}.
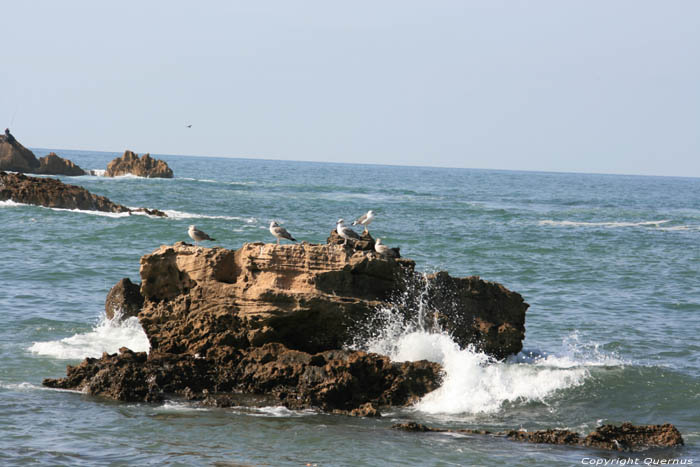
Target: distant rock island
{"x":53,"y":193}
{"x":16,"y":158}
{"x":145,"y":166}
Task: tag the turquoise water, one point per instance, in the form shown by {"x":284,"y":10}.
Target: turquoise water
{"x":609,"y":264}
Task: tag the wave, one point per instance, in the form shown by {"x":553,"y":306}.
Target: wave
{"x":26,"y":386}
{"x":474,"y":382}
{"x":602,"y":224}
{"x":206,"y":180}
{"x":11,"y":204}
{"x":97,"y":172}
{"x":188,"y":215}
{"x":108,"y":335}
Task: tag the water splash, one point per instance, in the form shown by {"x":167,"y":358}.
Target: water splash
{"x":473,"y":381}
{"x":107,"y":336}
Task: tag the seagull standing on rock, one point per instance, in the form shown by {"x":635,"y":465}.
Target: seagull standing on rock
{"x":346,"y":232}
{"x":365,"y":220}
{"x":384,"y":250}
{"x":280,"y":232}
{"x":198,"y":236}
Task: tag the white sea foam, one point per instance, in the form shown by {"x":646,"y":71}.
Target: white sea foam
{"x":10,"y":204}
{"x":97,"y":172}
{"x":107,"y":336}
{"x":25,"y":386}
{"x":474,"y":382}
{"x":188,"y":215}
{"x":602,"y":224}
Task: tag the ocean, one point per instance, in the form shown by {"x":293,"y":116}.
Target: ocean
{"x":610,"y":265}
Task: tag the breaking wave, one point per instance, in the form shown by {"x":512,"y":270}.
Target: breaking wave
{"x":188,"y":215}
{"x":474,"y":382}
{"x":108,"y":335}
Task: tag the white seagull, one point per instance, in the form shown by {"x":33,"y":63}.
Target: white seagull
{"x":365,"y":220}
{"x":198,"y":236}
{"x":384,"y":250}
{"x":345,"y":231}
{"x":280,"y":232}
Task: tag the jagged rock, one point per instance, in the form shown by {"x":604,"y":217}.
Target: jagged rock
{"x":145,"y":166}
{"x":53,"y":193}
{"x":52,"y":164}
{"x":16,"y":158}
{"x":124,"y":299}
{"x":349,"y":382}
{"x":626,"y":437}
{"x":629,"y":437}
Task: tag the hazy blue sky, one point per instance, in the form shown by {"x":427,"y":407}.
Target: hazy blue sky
{"x":593,"y":86}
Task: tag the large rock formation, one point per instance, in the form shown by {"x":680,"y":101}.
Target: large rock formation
{"x":53,"y":193}
{"x":52,"y":164}
{"x":626,"y":437}
{"x":124,"y":300}
{"x":145,"y":166}
{"x":273,"y":320}
{"x":16,"y":158}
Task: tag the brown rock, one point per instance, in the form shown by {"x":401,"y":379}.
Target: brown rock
{"x":52,"y":164}
{"x":145,"y":166}
{"x":53,"y":193}
{"x":628,"y":437}
{"x":365,"y":243}
{"x":124,"y":299}
{"x":16,"y":158}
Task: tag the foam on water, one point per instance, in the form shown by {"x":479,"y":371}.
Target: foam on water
{"x":474,"y":382}
{"x":188,"y":215}
{"x":602,"y":224}
{"x":10,"y":204}
{"x":107,"y":336}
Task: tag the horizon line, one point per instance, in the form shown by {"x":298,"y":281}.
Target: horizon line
{"x":267,"y":158}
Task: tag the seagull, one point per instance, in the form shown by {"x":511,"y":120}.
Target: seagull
{"x":345,"y":231}
{"x":280,"y":232}
{"x":365,"y":220}
{"x":384,"y":250}
{"x":188,"y":126}
{"x":198,"y":236}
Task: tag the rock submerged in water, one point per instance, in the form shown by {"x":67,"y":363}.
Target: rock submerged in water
{"x":273,"y":320}
{"x":53,"y":193}
{"x":145,"y":166}
{"x":626,"y":437}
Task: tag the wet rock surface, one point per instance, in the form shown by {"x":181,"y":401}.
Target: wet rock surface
{"x":124,"y":300}
{"x":272,"y":321}
{"x":626,"y":437}
{"x":144,"y":166}
{"x":53,"y":193}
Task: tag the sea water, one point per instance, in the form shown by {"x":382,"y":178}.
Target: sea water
{"x":608,"y":263}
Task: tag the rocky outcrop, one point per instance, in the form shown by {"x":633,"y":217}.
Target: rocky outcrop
{"x":144,"y":166}
{"x":626,"y":437}
{"x":53,"y":193}
{"x":52,"y":164}
{"x":16,"y":158}
{"x":123,"y":300}
{"x":273,"y":320}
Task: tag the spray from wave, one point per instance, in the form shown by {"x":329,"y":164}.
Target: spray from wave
{"x":473,"y":382}
{"x":108,"y":335}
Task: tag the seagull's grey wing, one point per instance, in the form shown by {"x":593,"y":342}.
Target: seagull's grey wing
{"x":202,"y":235}
{"x":282,"y":232}
{"x":350,"y":233}
{"x":360,"y":219}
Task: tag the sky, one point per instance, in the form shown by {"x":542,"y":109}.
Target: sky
{"x":572,"y":86}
